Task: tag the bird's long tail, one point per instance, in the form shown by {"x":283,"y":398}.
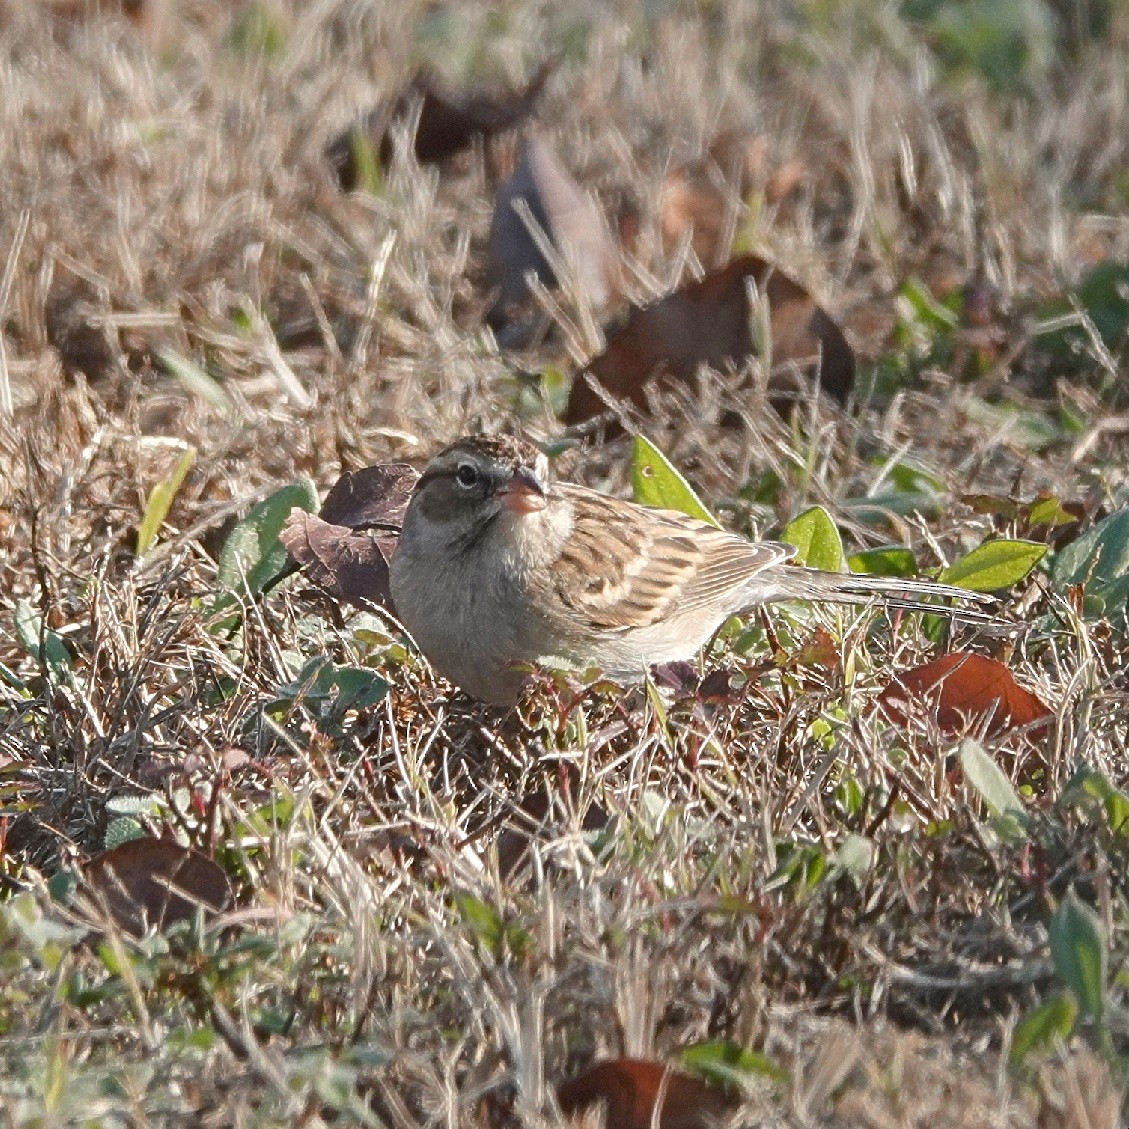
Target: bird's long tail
{"x":790,"y":582}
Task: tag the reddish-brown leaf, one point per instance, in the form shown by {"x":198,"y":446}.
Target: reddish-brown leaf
{"x":346,"y":548}
{"x":707,"y":322}
{"x":449,"y":121}
{"x":718,"y":686}
{"x":632,"y":1088}
{"x":373,"y":498}
{"x":350,"y":565}
{"x":819,"y":650}
{"x":568,"y":217}
{"x":155,"y":882}
{"x":960,"y":687}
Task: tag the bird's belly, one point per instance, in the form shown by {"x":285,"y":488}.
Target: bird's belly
{"x":468,"y":633}
{"x":630,"y":654}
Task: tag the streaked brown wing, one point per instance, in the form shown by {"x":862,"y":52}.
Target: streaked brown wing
{"x":626,"y":566}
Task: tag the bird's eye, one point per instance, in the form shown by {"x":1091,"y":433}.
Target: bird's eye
{"x":467,"y":476}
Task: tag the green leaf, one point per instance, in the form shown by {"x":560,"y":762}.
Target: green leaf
{"x":160,"y":500}
{"x":655,"y":482}
{"x":555,"y":389}
{"x":1088,"y":785}
{"x":729,"y":1064}
{"x":49,"y":939}
{"x":368,"y":174}
{"x":124,"y":829}
{"x":276,"y":815}
{"x":62,"y":886}
{"x":253,"y":556}
{"x":1102,"y":293}
{"x":257,"y":30}
{"x":1050,"y":1023}
{"x":1048,"y":511}
{"x":136,"y":805}
{"x":1080,"y":954}
{"x":994,"y":565}
{"x":875,"y":509}
{"x":45,"y":646}
{"x":909,"y":478}
{"x":8,"y":676}
{"x":340,"y":688}
{"x":1101,"y":296}
{"x":1104,"y":601}
{"x":357,"y":688}
{"x":894,"y":560}
{"x":816,"y":539}
{"x":800,"y":867}
{"x":485,"y":922}
{"x":1004,"y":41}
{"x":194,"y":378}
{"x":989,"y":781}
{"x":1024,"y":426}
{"x":924,"y":308}
{"x":1099,"y":556}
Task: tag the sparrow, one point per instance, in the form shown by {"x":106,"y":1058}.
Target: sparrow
{"x":498,"y":568}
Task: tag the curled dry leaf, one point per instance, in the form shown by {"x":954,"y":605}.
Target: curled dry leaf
{"x":718,"y":686}
{"x":373,"y":498}
{"x":632,"y":1088}
{"x":346,"y":548}
{"x":350,"y":565}
{"x":74,"y":315}
{"x":680,"y":676}
{"x":818,"y":650}
{"x":154,"y":882}
{"x":961,"y":686}
{"x":449,"y":121}
{"x":709,"y":322}
{"x":570,"y":221}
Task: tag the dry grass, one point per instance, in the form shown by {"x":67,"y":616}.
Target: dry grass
{"x":385,"y":956}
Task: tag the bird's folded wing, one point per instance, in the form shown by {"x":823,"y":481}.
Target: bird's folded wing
{"x":625,"y":568}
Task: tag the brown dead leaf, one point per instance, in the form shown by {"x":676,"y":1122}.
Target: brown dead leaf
{"x":818,"y":650}
{"x":74,"y":314}
{"x":350,"y":565}
{"x":346,"y":548}
{"x":569,"y":219}
{"x":632,"y":1088}
{"x":961,"y":686}
{"x":707,"y":322}
{"x":155,"y":882}
{"x":449,"y":121}
{"x":372,"y":498}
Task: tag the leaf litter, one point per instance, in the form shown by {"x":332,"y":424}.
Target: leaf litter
{"x":699,"y":873}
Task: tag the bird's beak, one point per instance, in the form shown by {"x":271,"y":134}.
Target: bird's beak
{"x":524,"y":493}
